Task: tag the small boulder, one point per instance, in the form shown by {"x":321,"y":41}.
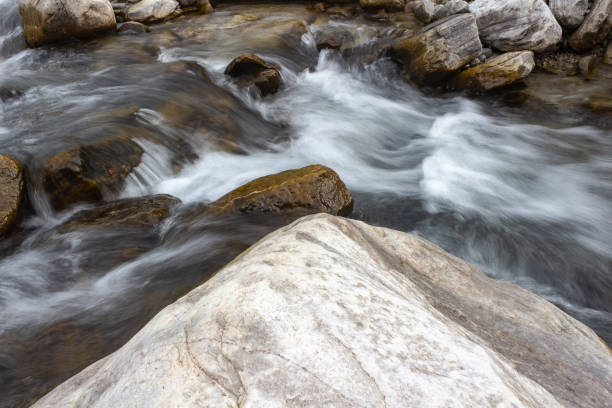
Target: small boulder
{"x":11,"y":192}
{"x":439,"y":49}
{"x":450,"y":8}
{"x":48,"y":21}
{"x":87,"y":173}
{"x":587,"y":65}
{"x":310,"y":189}
{"x":516,"y":25}
{"x":249,"y":70}
{"x":569,"y":13}
{"x":496,"y":72}
{"x":151,"y":11}
{"x":332,"y":38}
{"x":389,"y":5}
{"x":203,"y":6}
{"x":424,"y":10}
{"x":595,"y":27}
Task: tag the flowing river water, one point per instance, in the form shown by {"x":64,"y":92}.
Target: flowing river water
{"x":519,"y":186}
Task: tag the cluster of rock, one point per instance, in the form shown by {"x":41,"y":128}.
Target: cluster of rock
{"x":332,"y":312}
{"x":453,"y":40}
{"x":49,"y":21}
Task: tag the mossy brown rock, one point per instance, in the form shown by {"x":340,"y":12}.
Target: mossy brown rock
{"x":564,"y":63}
{"x":11,"y":192}
{"x":389,"y":5}
{"x":48,"y":21}
{"x":310,"y":189}
{"x":88,"y":173}
{"x":140,"y":212}
{"x":439,"y":49}
{"x":249,"y":69}
{"x":497,"y":72}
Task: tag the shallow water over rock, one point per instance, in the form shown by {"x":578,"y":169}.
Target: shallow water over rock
{"x":518,"y":183}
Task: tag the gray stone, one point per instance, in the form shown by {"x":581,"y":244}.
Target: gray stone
{"x":48,"y":21}
{"x":569,"y":13}
{"x":516,"y":25}
{"x":150,"y":11}
{"x":439,"y":49}
{"x":595,"y":27}
{"x":331,"y":312}
{"x":424,"y":10}
{"x":450,"y":8}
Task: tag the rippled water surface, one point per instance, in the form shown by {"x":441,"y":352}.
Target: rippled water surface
{"x":518,"y":183}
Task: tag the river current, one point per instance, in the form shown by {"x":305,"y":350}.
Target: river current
{"x":520,"y":189}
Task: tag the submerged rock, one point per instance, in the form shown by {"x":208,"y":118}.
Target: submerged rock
{"x":11,"y":193}
{"x":140,"y":212}
{"x":569,"y":13}
{"x":439,"y":49}
{"x":516,"y":25}
{"x":48,"y":21}
{"x":332,"y":312}
{"x":310,"y":189}
{"x":133,"y":27}
{"x":500,"y":71}
{"x":595,"y":27}
{"x":249,"y":69}
{"x":87,"y":173}
{"x":150,"y":11}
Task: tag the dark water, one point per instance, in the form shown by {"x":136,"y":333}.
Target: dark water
{"x":523,"y":191}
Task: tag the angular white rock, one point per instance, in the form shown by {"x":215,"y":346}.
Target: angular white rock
{"x":330,"y":312}
{"x":516,"y":25}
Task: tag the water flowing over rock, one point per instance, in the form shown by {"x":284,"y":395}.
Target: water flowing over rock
{"x":48,"y":21}
{"x":516,"y":25}
{"x":595,"y":27}
{"x":310,"y":189}
{"x":333,"y":312}
{"x":252,"y":70}
{"x":11,"y":192}
{"x":569,"y":13}
{"x":87,"y":173}
{"x":497,"y":72}
{"x":439,"y":49}
{"x":150,"y":11}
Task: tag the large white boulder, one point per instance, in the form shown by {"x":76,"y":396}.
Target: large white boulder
{"x":48,"y":21}
{"x":329,"y":312}
{"x":516,"y":25}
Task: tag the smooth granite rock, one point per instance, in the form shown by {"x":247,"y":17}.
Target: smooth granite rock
{"x":330,"y":312}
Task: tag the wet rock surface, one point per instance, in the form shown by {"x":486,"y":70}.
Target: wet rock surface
{"x":439,"y":49}
{"x":11,"y":193}
{"x":151,"y":11}
{"x":516,"y":25}
{"x":500,"y":71}
{"x":48,"y":21}
{"x":249,"y":70}
{"x":310,"y":189}
{"x":395,"y":312}
{"x":89,"y":173}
